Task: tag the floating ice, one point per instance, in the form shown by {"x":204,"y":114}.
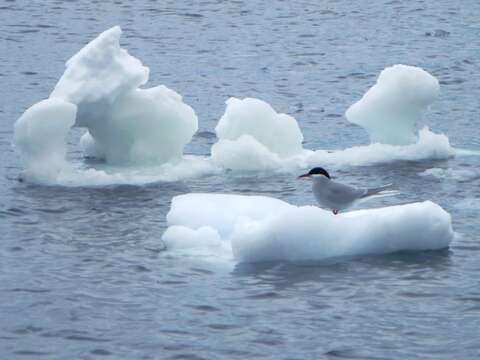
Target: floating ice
{"x":258,"y":228}
{"x":125,"y":125}
{"x":144,"y":126}
{"x":390,"y":109}
{"x":100,"y":72}
{"x":252,"y":136}
{"x":429,"y":146}
{"x":40,"y":136}
{"x":73,"y":175}
{"x":141,"y":132}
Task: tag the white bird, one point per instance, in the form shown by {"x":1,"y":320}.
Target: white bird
{"x":334,"y":195}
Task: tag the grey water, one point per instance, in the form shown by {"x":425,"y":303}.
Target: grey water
{"x":83,"y":272}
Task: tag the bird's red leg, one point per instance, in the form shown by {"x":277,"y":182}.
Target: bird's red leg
{"x":335,"y":212}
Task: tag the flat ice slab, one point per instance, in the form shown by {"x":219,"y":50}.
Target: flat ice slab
{"x":259,"y":228}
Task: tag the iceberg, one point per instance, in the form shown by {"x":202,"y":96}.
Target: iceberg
{"x":389,"y":110}
{"x":125,"y":125}
{"x":253,"y":136}
{"x":259,"y":228}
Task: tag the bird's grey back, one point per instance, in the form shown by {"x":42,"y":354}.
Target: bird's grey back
{"x":334,"y":195}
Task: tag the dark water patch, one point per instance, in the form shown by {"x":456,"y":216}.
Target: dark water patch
{"x":173,"y":282}
{"x":264,"y":295}
{"x":46,"y":26}
{"x":100,"y":352}
{"x":470,"y":298}
{"x":452,"y":82}
{"x":12,"y":212}
{"x":319,"y":306}
{"x":411,"y":294}
{"x":85,"y":338}
{"x":31,"y":353}
{"x":206,"y":134}
{"x":32,"y":291}
{"x":193,"y":15}
{"x":162,"y":247}
{"x":59,"y":210}
{"x":219,"y":326}
{"x":310,"y":54}
{"x":29,"y":73}
{"x":27,"y":31}
{"x":187,"y":356}
{"x":269,"y":341}
{"x":204,"y":308}
{"x":202,"y":271}
{"x":141,"y":268}
{"x":16,"y":248}
{"x":439,"y":33}
{"x":8,"y":38}
{"x":333,"y":115}
{"x":27,"y":330}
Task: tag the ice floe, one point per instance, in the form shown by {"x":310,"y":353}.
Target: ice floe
{"x":258,"y":228}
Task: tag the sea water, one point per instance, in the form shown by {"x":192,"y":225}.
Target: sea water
{"x":84,"y":272}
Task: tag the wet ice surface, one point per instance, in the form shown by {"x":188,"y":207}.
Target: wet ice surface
{"x":83,"y":272}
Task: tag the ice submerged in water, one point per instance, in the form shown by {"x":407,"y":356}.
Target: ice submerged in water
{"x":141,"y":132}
{"x":258,"y":228}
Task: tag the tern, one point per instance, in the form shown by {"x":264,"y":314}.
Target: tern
{"x":334,"y":195}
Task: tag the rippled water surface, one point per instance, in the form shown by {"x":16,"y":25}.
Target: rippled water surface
{"x":83,"y":273}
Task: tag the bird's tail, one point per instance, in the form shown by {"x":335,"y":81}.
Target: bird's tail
{"x":378,"y":190}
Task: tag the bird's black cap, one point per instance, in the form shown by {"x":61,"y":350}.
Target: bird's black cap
{"x":319,"y":171}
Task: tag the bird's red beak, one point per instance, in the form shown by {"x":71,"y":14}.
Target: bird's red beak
{"x":304,"y":176}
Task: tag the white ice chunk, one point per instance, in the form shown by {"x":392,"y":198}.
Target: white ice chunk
{"x":182,"y":237}
{"x":144,"y":126}
{"x":244,"y":154}
{"x":390,"y":109}
{"x":429,"y":146}
{"x":253,"y":136}
{"x":100,"y":70}
{"x":40,"y":136}
{"x":127,"y":126}
{"x":221,"y":211}
{"x":264,"y":229}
